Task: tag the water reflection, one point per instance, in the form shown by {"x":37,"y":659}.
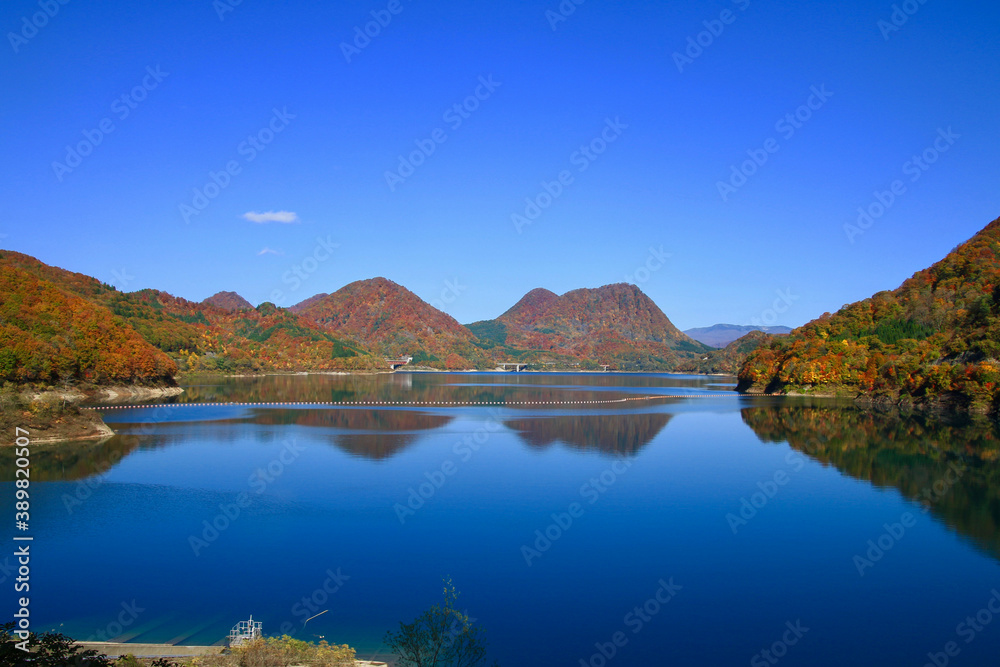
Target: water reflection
{"x":351,"y":419}
{"x":426,"y":387}
{"x":376,"y":434}
{"x":609,"y":434}
{"x":916,"y":454}
{"x":70,"y":461}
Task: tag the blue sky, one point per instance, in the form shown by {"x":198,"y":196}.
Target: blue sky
{"x":642,"y":108}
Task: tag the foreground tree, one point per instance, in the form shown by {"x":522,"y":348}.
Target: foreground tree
{"x":440,"y":637}
{"x":49,"y":649}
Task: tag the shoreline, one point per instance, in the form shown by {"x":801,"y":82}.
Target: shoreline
{"x":428,"y":370}
{"x":940,"y":405}
{"x":146,"y":650}
{"x":54,"y":415}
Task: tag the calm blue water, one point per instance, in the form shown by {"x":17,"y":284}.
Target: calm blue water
{"x":117,"y":527}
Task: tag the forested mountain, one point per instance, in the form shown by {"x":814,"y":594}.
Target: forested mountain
{"x":721,"y":335}
{"x":935,"y":339}
{"x":729,"y":359}
{"x":48,"y":334}
{"x":616,"y":325}
{"x":195,"y":336}
{"x":392,"y":320}
{"x":228,"y":301}
{"x":937,"y":336}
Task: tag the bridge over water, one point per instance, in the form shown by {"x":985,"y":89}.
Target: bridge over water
{"x":517,"y":368}
{"x":396,"y":363}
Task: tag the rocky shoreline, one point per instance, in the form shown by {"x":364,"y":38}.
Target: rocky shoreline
{"x":52,"y":415}
{"x":121,"y":393}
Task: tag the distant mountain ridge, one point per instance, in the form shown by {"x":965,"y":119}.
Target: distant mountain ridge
{"x":729,"y":359}
{"x":721,"y":335}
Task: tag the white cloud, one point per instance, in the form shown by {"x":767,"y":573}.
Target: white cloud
{"x":286,"y":217}
{"x":270,"y":251}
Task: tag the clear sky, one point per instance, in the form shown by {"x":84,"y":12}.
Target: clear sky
{"x":642,"y":108}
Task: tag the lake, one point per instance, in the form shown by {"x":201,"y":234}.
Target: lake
{"x":687,"y":526}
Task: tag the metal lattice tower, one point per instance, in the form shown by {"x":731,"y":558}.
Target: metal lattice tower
{"x":245,"y":631}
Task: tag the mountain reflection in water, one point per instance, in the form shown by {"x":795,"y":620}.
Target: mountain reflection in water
{"x":430,"y":387}
{"x":375,"y":434}
{"x":609,"y":434}
{"x":919,"y":455}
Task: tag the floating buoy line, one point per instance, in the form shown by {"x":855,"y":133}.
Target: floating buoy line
{"x":419,"y":404}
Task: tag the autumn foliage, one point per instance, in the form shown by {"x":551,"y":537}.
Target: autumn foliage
{"x":616,"y":325}
{"x":49,"y":335}
{"x":393,"y":321}
{"x":935,"y":338}
{"x":56,"y":325}
{"x":730,"y":359}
